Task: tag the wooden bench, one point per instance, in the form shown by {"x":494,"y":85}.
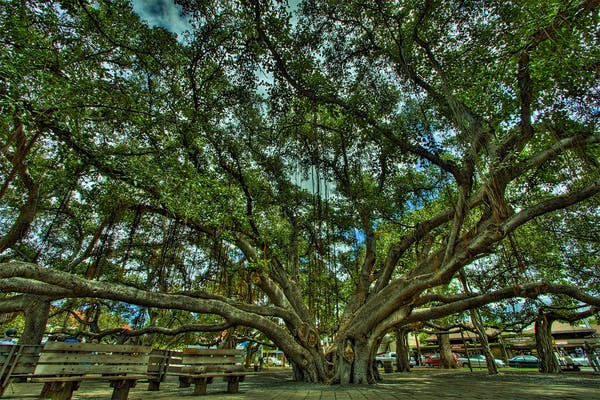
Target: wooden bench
{"x":201,"y":366}
{"x":63,"y":366}
{"x":161,"y":363}
{"x":17,"y":362}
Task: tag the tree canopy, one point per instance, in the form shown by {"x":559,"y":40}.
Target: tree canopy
{"x":306,"y":171}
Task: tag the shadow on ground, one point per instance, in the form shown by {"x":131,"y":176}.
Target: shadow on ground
{"x":421,"y":384}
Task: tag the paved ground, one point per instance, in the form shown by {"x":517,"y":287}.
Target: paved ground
{"x":421,"y":384}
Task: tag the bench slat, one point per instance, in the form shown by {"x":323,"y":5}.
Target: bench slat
{"x":212,"y":352}
{"x":86,"y":357}
{"x":82,"y":369}
{"x":21,"y":369}
{"x":17,"y":361}
{"x":208,"y":360}
{"x":42,"y":379}
{"x":91,"y":347}
{"x":59,"y":358}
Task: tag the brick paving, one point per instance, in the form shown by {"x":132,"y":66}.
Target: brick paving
{"x":421,"y":384}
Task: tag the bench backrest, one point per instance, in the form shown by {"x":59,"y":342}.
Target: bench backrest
{"x":17,"y":359}
{"x":175,"y":361}
{"x":60,"y":358}
{"x":209,"y":360}
{"x":158,"y":362}
{"x":162,"y":361}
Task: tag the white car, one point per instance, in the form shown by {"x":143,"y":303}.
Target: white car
{"x":391,"y":356}
{"x":381,"y":357}
{"x":581,"y":361}
{"x":478,"y":360}
{"x":273,"y":361}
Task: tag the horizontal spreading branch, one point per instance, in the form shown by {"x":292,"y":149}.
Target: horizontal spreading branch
{"x":13,"y":304}
{"x":217,"y":327}
{"x":468,"y":302}
{"x":22,"y":285}
{"x":30,"y":278}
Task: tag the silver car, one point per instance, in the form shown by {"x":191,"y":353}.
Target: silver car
{"x":581,"y":361}
{"x":478,"y":360}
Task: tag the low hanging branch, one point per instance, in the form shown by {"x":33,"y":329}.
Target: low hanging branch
{"x":217,"y":327}
{"x":466,"y":302}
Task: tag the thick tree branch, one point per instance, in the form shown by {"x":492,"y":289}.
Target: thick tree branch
{"x":14,"y":303}
{"x":77,"y":287}
{"x":547,"y":206}
{"x":123,"y":332}
{"x":532,"y":291}
{"x":24,"y":285}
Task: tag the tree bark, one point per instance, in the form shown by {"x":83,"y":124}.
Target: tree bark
{"x":446,"y":359}
{"x":355,"y":362}
{"x":402,"y":349}
{"x":351,"y":360}
{"x":544,"y":344}
{"x":36,"y":316}
{"x":483,"y":340}
{"x":481,"y":333}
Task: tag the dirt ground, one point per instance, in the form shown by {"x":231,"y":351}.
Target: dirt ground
{"x":420,"y":384}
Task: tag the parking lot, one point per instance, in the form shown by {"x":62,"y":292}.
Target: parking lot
{"x":420,"y":384}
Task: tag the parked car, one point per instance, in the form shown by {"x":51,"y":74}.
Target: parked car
{"x":381,"y":357}
{"x":566,"y":362}
{"x":434,"y":360}
{"x":273,"y":361}
{"x":478,"y":360}
{"x":390,"y":356}
{"x":581,"y":361}
{"x":523,"y":361}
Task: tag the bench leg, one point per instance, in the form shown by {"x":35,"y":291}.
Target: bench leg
{"x":233,"y":384}
{"x":3,"y":385}
{"x":154,"y":385}
{"x":184,"y":382}
{"x":121,"y":389}
{"x":200,"y":385}
{"x":59,"y":390}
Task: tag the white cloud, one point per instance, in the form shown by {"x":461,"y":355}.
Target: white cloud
{"x":163,"y":13}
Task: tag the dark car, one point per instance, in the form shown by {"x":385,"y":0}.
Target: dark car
{"x":434,"y":360}
{"x":524,"y":361}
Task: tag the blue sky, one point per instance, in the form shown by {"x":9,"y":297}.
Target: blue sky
{"x":163,"y":13}
{"x":166,"y":14}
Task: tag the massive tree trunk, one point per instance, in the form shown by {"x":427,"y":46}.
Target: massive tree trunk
{"x":36,"y":316}
{"x":545,"y":344}
{"x":354,"y":362}
{"x":402,"y":349}
{"x":446,"y":359}
{"x":36,"y":311}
